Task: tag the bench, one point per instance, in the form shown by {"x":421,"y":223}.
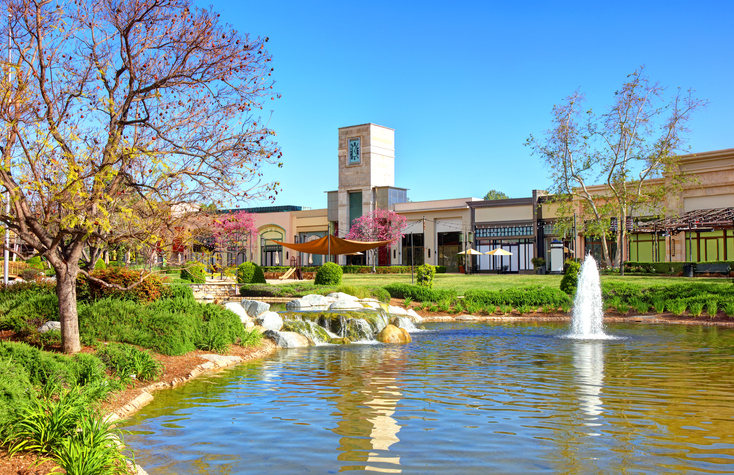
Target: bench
{"x":712,"y":268}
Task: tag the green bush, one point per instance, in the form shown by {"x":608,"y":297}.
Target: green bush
{"x":516,"y":297}
{"x":181,"y":291}
{"x":125,"y":361}
{"x":36,"y":263}
{"x":329,"y":274}
{"x":571,"y":277}
{"x":194,"y":272}
{"x":250,"y":273}
{"x":418,"y":293}
{"x":424,"y":275}
{"x":30,"y":312}
{"x":100,"y":265}
{"x":16,"y":392}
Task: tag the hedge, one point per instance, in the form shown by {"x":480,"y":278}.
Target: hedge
{"x":150,"y":289}
{"x":357,"y":269}
{"x":534,"y":296}
{"x":665,"y":268}
{"x":418,"y":293}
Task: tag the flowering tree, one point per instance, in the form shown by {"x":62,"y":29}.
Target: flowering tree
{"x":118,"y":118}
{"x":235,"y":232}
{"x":379,"y":225}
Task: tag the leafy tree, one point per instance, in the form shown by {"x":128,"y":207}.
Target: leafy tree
{"x":379,"y":225}
{"x":495,"y":195}
{"x":632,"y":148}
{"x":119,"y":117}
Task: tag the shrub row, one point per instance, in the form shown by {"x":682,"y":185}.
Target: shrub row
{"x":172,"y":326}
{"x":665,"y":268}
{"x":357,"y":269}
{"x":517,"y":297}
{"x":150,"y":289}
{"x":418,"y":293}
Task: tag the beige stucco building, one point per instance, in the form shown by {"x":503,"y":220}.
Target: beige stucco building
{"x":439,"y":229}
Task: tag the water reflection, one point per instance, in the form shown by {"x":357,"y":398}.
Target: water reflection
{"x":588,"y":361}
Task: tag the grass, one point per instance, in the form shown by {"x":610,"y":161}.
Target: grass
{"x":462,"y":282}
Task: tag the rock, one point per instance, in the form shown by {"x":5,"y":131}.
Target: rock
{"x":396,"y":310}
{"x":340,"y":341}
{"x":287,"y":339}
{"x":237,"y":309}
{"x":346,"y":305}
{"x":318,"y":300}
{"x":48,"y":326}
{"x":254,"y":307}
{"x":298,"y":304}
{"x":466,"y":318}
{"x":393,"y":334}
{"x":369,"y":303}
{"x":416,"y":318}
{"x":270,"y":321}
{"x":341,"y":296}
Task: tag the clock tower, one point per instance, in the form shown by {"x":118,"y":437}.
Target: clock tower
{"x":366,"y":158}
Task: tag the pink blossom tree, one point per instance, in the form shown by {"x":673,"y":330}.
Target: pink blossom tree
{"x":379,"y":225}
{"x":235,"y":232}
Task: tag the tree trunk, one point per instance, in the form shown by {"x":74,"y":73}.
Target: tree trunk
{"x":66,"y":292}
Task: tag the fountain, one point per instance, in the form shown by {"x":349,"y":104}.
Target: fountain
{"x":587,"y":319}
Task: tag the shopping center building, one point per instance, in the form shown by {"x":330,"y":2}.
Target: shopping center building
{"x":698,"y":225}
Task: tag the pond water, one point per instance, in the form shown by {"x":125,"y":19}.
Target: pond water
{"x":461,"y":398}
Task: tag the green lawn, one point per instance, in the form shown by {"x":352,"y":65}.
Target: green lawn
{"x":462,"y":282}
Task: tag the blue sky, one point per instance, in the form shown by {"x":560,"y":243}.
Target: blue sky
{"x":465,"y":83}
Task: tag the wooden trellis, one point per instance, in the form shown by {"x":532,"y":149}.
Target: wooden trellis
{"x":695,"y":221}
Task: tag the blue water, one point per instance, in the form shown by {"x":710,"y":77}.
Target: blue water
{"x":461,"y":398}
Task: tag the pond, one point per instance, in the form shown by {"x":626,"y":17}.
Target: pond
{"x":461,"y":398}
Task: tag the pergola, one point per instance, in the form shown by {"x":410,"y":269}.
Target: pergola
{"x":701,"y":220}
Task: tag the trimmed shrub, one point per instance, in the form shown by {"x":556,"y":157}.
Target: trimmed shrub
{"x":329,"y":274}
{"x":418,"y":293}
{"x":100,"y":265}
{"x":517,"y":297}
{"x":150,"y":289}
{"x":250,"y":273}
{"x":571,"y":277}
{"x":35,"y":262}
{"x":181,"y":291}
{"x":194,"y":272}
{"x":424,"y":275}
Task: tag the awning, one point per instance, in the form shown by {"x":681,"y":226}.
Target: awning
{"x":332,"y":245}
{"x":697,"y":220}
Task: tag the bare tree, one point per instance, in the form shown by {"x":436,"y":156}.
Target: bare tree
{"x":119,"y":118}
{"x":632,"y":150}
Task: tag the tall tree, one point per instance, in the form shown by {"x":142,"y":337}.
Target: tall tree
{"x":119,"y":117}
{"x":379,"y":225}
{"x":632,"y":149}
{"x":495,"y":195}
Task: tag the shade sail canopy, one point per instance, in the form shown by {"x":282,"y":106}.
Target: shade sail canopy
{"x":499,"y":252}
{"x":472,"y":252}
{"x":332,"y":245}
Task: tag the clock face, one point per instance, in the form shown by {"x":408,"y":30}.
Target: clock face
{"x":354,"y":151}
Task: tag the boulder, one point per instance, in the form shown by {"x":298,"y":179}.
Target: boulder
{"x":340,"y":341}
{"x":393,"y":334}
{"x":318,"y":300}
{"x":48,"y":326}
{"x":370,"y":303}
{"x":287,"y":339}
{"x":298,"y":304}
{"x":396,"y":310}
{"x":254,"y":307}
{"x":466,"y":318}
{"x":416,"y":318}
{"x":237,"y":309}
{"x":270,"y":321}
{"x":344,"y":304}
{"x":341,"y":296}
